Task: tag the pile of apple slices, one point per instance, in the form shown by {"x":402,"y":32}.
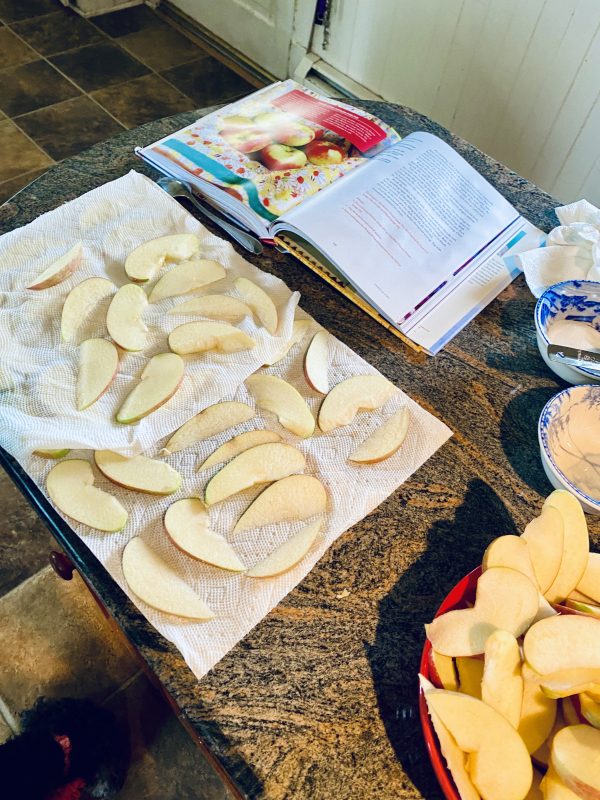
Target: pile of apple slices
{"x":518,"y":672}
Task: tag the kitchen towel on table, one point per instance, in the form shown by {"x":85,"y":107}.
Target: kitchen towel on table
{"x":37,"y":409}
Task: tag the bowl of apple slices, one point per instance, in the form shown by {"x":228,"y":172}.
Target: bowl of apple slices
{"x":510,"y":672}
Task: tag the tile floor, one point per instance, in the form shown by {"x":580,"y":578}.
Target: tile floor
{"x":67,"y":83}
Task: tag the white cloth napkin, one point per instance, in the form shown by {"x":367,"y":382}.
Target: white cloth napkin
{"x":571,"y":251}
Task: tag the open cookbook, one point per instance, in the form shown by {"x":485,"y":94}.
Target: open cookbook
{"x":412,"y":234}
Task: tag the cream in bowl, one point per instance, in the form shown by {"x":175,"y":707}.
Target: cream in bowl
{"x":569,"y":437}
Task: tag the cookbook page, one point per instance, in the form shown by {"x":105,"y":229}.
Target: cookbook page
{"x":402,"y":229}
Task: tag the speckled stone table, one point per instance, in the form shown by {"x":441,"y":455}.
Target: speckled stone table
{"x":320,"y":700}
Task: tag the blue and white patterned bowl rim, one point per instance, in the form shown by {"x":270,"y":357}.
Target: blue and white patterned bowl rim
{"x":549,"y":412}
{"x":544,"y":298}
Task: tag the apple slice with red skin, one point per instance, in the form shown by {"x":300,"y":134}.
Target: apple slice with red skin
{"x":239,"y":444}
{"x":282,"y":399}
{"x":98,"y":365}
{"x":161,"y":378}
{"x":143,"y":262}
{"x":124,"y":318}
{"x":138,"y":473}
{"x":359,"y":393}
{"x":575,"y":756}
{"x":81,"y":302}
{"x":209,"y":422}
{"x":59,"y":269}
{"x":186,"y":277}
{"x":316,"y":362}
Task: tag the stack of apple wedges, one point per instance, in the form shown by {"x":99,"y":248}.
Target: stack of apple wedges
{"x":514,"y":696}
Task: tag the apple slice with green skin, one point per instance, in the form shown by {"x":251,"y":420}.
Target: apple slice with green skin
{"x":576,"y":758}
{"x":188,"y":526}
{"x":154,"y":582}
{"x":187,"y":277}
{"x":214,"y":306}
{"x":537,"y":714}
{"x":70,"y":485}
{"x":161,"y":378}
{"x":584,"y":608}
{"x":589,"y":583}
{"x":590,"y":709}
{"x":455,"y":758}
{"x":576,"y":545}
{"x":259,"y":301}
{"x":239,"y":444}
{"x":98,"y":365}
{"x":579,"y":597}
{"x":140,"y":473}
{"x":544,"y":536}
{"x":124,"y":317}
{"x":59,"y":269}
{"x":295,"y":498}
{"x":264,"y":463}
{"x":81,"y":302}
{"x":288,"y":554}
{"x":554,"y":789}
{"x":209,"y":422}
{"x":502,"y":682}
{"x":359,"y":393}
{"x":561,"y":643}
{"x":282,"y":399}
{"x":505,"y":599}
{"x":384,"y":441}
{"x":498,"y":762}
{"x":199,"y":337}
{"x":51,"y":453}
{"x":145,"y":260}
{"x":445,"y":670}
{"x":316,"y":362}
{"x":299,"y":330}
{"x":470,"y":674}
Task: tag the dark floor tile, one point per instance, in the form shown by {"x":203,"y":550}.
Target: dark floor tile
{"x":160,"y":48}
{"x":99,"y":65}
{"x":13,"y":10}
{"x":13,"y":51}
{"x":207,"y":81}
{"x":24,"y":541}
{"x":143,"y":100}
{"x":129,"y":20}
{"x":68,"y":128}
{"x":58,"y":32}
{"x":18,"y":154}
{"x":32,"y":86}
{"x":9,"y":188}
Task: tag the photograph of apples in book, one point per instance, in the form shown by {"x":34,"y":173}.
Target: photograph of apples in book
{"x":413,"y":234}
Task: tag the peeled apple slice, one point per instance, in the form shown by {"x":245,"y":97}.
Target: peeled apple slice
{"x":288,"y":554}
{"x":576,"y":545}
{"x":296,"y":497}
{"x":282,"y":399}
{"x":157,"y":584}
{"x":564,"y":642}
{"x":544,"y":536}
{"x":146,"y":259}
{"x":502,"y":682}
{"x":209,"y":422}
{"x":359,"y":393}
{"x":316,"y":362}
{"x":161,"y":378}
{"x":260,"y":303}
{"x":214,"y":306}
{"x":384,"y":441}
{"x":239,"y":444}
{"x":589,"y":584}
{"x":538,"y":712}
{"x":124,"y":317}
{"x":59,"y":269}
{"x":81,"y":302}
{"x":140,"y":473}
{"x":199,"y":337}
{"x":98,"y":365}
{"x":70,"y":485}
{"x":187,"y":277}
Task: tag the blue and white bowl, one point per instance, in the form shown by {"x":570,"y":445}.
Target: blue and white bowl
{"x":569,"y":437}
{"x":576,"y":301}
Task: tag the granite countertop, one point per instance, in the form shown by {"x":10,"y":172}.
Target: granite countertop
{"x":320,"y":700}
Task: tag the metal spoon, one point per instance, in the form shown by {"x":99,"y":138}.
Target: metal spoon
{"x":180,"y":189}
{"x":573,"y":356}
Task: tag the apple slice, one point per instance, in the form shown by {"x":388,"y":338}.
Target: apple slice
{"x":590,"y":709}
{"x":564,"y":642}
{"x":51,"y":453}
{"x":59,"y":269}
{"x":568,"y":682}
{"x":288,"y":554}
{"x":157,"y":584}
{"x":502,"y":682}
{"x":161,"y":378}
{"x":299,"y":330}
{"x":98,"y":365}
{"x":579,"y":597}
{"x":538,"y":712}
{"x":188,"y":525}
{"x":212,"y":420}
{"x":576,"y":545}
{"x":214,"y":306}
{"x":124,"y":317}
{"x":316,"y":362}
{"x":139,"y":473}
{"x":470,"y":674}
{"x":70,"y":485}
{"x":146,"y":259}
{"x":444,"y":668}
{"x":498,"y":762}
{"x":282,"y":399}
{"x":512,"y":552}
{"x":264,"y":463}
{"x":544,"y":537}
{"x":239,"y":444}
{"x":359,"y":393}
{"x":584,"y":608}
{"x":198,"y":337}
{"x":589,"y":583}
{"x":187,"y":277}
{"x":554,"y":789}
{"x":259,"y":301}
{"x":505,"y":599}
{"x":384,"y":441}
{"x":297,"y":497}
{"x":81,"y":302}
{"x":576,"y":758}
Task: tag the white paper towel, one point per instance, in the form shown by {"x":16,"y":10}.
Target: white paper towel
{"x":37,"y":406}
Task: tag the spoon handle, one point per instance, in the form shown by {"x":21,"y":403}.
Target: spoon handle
{"x":573,"y":356}
{"x":247,"y":241}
